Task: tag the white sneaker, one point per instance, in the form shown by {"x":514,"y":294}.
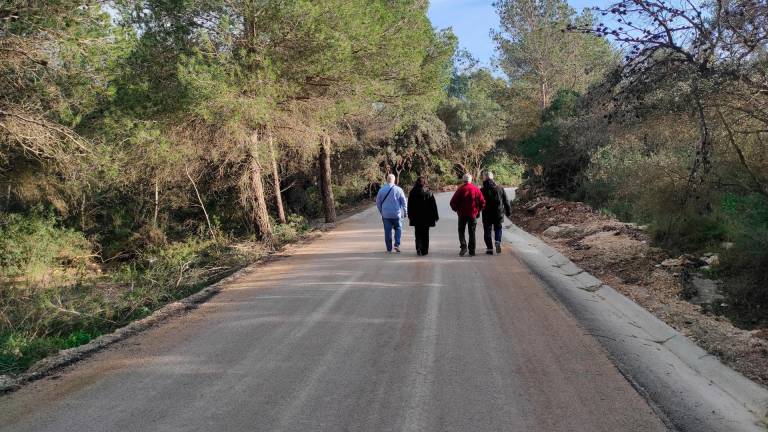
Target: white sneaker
{"x":397,"y":249}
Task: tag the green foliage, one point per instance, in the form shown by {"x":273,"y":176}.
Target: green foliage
{"x":551,"y":149}
{"x":744,"y":221}
{"x":294,"y":227}
{"x":540,"y":57}
{"x":35,"y":248}
{"x":539,"y":147}
{"x":442,"y":173}
{"x":474,"y":119}
{"x":144,"y":128}
{"x":506,"y":171}
{"x":38,"y":321}
{"x":18,"y":352}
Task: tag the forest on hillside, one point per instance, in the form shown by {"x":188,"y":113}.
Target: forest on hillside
{"x":151,"y":147}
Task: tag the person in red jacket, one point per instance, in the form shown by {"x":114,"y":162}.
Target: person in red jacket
{"x":467,"y":202}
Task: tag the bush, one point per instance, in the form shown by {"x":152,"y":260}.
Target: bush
{"x":290,"y":231}
{"x":18,"y":351}
{"x":351,"y":192}
{"x":506,"y":170}
{"x":649,"y":187}
{"x":37,"y":321}
{"x":33,"y":249}
{"x":442,"y":173}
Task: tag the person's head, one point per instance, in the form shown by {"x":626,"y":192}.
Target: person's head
{"x":421,"y":182}
{"x":391,"y":178}
{"x":467,"y":178}
{"x":488,"y":175}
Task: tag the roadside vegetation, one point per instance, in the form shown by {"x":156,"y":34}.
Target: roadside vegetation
{"x":148,"y":148}
{"x":666,"y":127}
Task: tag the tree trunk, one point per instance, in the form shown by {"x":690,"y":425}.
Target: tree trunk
{"x":329,"y":204}
{"x":259,"y":204}
{"x":701,"y":163}
{"x":276,"y":182}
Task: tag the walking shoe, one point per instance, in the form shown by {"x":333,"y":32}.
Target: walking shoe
{"x":489,"y":251}
{"x":471,"y":253}
{"x":418,"y":252}
{"x":463,"y":251}
{"x":498,"y":247}
{"x":397,"y":249}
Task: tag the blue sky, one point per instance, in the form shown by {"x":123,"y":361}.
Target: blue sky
{"x":472,"y":21}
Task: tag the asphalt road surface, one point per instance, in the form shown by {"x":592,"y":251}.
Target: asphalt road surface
{"x":342,"y":336}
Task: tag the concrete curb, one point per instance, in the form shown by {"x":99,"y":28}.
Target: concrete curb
{"x":693,"y":389}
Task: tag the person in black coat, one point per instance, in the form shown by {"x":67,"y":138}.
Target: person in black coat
{"x":422,"y":213}
{"x":496,"y":206}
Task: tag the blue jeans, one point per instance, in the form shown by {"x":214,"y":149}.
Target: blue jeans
{"x":487,"y":227}
{"x":388,"y":225}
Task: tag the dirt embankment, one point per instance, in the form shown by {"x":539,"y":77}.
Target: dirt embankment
{"x":622,"y":256}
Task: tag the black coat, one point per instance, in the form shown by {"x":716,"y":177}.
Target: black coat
{"x":496,"y":203}
{"x":422,"y":208}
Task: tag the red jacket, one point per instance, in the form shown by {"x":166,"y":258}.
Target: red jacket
{"x":468,"y":200}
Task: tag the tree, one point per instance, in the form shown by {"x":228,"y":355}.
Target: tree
{"x":714,"y":52}
{"x":56,"y":59}
{"x":412,"y":148}
{"x":540,"y":58}
{"x":474,"y":119}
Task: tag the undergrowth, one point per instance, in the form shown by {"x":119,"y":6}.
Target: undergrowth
{"x":53,"y":296}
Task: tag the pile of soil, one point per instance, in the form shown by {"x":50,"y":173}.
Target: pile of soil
{"x":621,"y":254}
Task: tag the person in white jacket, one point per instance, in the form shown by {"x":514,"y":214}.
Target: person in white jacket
{"x":393,"y":207}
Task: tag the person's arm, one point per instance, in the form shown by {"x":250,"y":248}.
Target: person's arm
{"x":410,"y":198}
{"x":378,"y":200}
{"x":507,"y":207}
{"x":403,"y":202}
{"x":481,"y":201}
{"x":433,"y":204}
{"x":453,"y":200}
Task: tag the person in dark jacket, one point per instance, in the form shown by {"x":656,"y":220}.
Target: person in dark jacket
{"x":467,"y":202}
{"x":422,"y":213}
{"x":496,"y":206}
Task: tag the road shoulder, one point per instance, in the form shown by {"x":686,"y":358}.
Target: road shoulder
{"x":692,"y":388}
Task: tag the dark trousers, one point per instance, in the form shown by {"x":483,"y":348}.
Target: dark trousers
{"x":421,"y":232}
{"x":470,"y":224}
{"x":487,"y":233}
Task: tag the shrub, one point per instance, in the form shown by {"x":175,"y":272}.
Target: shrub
{"x":441,"y":173}
{"x":351,"y":192}
{"x":33,"y":248}
{"x":506,"y":170}
{"x":290,"y":231}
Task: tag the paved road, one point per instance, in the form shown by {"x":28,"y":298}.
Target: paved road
{"x":343,"y":337}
